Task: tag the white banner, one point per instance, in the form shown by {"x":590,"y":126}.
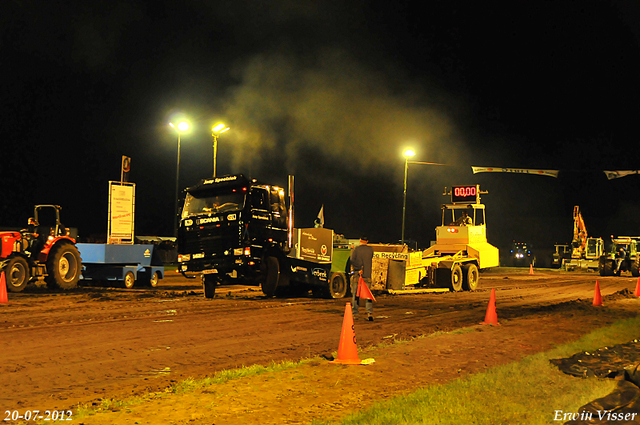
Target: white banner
{"x":121,"y":212}
{"x":620,"y":173}
{"x":548,"y":173}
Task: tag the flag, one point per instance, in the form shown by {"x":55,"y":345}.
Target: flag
{"x":320,"y":218}
{"x":548,"y":173}
{"x":364,"y":291}
{"x":126,"y":167}
{"x":620,"y":173}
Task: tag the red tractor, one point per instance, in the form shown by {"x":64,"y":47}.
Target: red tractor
{"x":40,"y":251}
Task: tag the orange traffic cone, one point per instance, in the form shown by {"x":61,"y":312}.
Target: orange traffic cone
{"x":491,"y":318}
{"x":530,"y":268}
{"x":347,"y":350}
{"x":637,"y":293}
{"x":364,"y":291}
{"x":3,"y":289}
{"x":597,"y":297}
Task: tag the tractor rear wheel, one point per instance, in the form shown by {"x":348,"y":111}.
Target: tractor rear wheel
{"x":456,"y":278}
{"x":63,"y":266}
{"x":635,"y":267}
{"x":605,"y":267}
{"x":470,"y":277}
{"x":16,"y":274}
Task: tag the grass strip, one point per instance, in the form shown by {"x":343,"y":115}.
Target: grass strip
{"x":529,"y":391}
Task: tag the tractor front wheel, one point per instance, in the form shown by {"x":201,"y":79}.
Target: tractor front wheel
{"x":63,"y":266}
{"x":16,"y":274}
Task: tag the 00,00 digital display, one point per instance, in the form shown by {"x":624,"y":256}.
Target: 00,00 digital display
{"x":464,"y":194}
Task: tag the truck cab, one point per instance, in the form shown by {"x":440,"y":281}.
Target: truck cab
{"x":228,"y":223}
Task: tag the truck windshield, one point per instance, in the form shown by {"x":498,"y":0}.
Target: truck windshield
{"x":207,"y":203}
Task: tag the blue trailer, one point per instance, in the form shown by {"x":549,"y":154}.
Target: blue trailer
{"x":129,"y":264}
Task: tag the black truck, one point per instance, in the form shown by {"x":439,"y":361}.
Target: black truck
{"x":232,"y":227}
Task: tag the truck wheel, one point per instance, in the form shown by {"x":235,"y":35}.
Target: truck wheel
{"x":16,"y":274}
{"x":63,"y":266}
{"x":154,"y":280}
{"x":470,"y":277}
{"x":337,"y":286}
{"x":209,"y":283}
{"x":271,"y":274}
{"x":456,"y":278}
{"x":129,"y":280}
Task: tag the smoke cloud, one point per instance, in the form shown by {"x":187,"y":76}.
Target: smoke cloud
{"x":336,"y":106}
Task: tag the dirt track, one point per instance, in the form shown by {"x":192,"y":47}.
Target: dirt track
{"x":64,"y":348}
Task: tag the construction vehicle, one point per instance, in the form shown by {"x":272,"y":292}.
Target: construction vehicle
{"x":585,"y":251}
{"x":232,"y":227}
{"x":622,"y":256}
{"x":44,"y":251}
{"x":460,"y":250}
{"x":562,"y":253}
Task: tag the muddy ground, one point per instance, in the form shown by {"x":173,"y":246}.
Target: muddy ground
{"x":61,"y":349}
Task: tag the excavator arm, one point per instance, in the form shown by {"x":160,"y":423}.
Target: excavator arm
{"x":580,"y":235}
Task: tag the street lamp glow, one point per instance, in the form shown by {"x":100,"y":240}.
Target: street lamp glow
{"x":182,"y":127}
{"x":217,"y":130}
{"x":407,"y":154}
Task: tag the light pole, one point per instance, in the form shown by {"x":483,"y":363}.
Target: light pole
{"x":407,"y":154}
{"x":215,"y":132}
{"x":182,"y":127}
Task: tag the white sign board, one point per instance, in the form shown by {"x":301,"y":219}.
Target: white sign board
{"x":121,"y":212}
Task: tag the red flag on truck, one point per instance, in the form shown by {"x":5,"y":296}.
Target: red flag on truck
{"x":364,"y":291}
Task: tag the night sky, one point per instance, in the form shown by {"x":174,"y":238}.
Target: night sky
{"x":332,"y":92}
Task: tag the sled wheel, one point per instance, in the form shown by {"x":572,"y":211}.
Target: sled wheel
{"x":337,"y":287}
{"x":456,"y":278}
{"x":470,"y":277}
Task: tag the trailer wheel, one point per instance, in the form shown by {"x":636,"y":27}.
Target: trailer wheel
{"x":456,"y":278}
{"x":154,"y":280}
{"x":129,"y":280}
{"x":271,"y":274}
{"x":63,"y":266}
{"x":337,"y":286}
{"x":470,"y":277}
{"x":16,"y":274}
{"x":209,"y":283}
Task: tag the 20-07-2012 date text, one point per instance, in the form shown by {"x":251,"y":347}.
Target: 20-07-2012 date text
{"x":38,"y":415}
